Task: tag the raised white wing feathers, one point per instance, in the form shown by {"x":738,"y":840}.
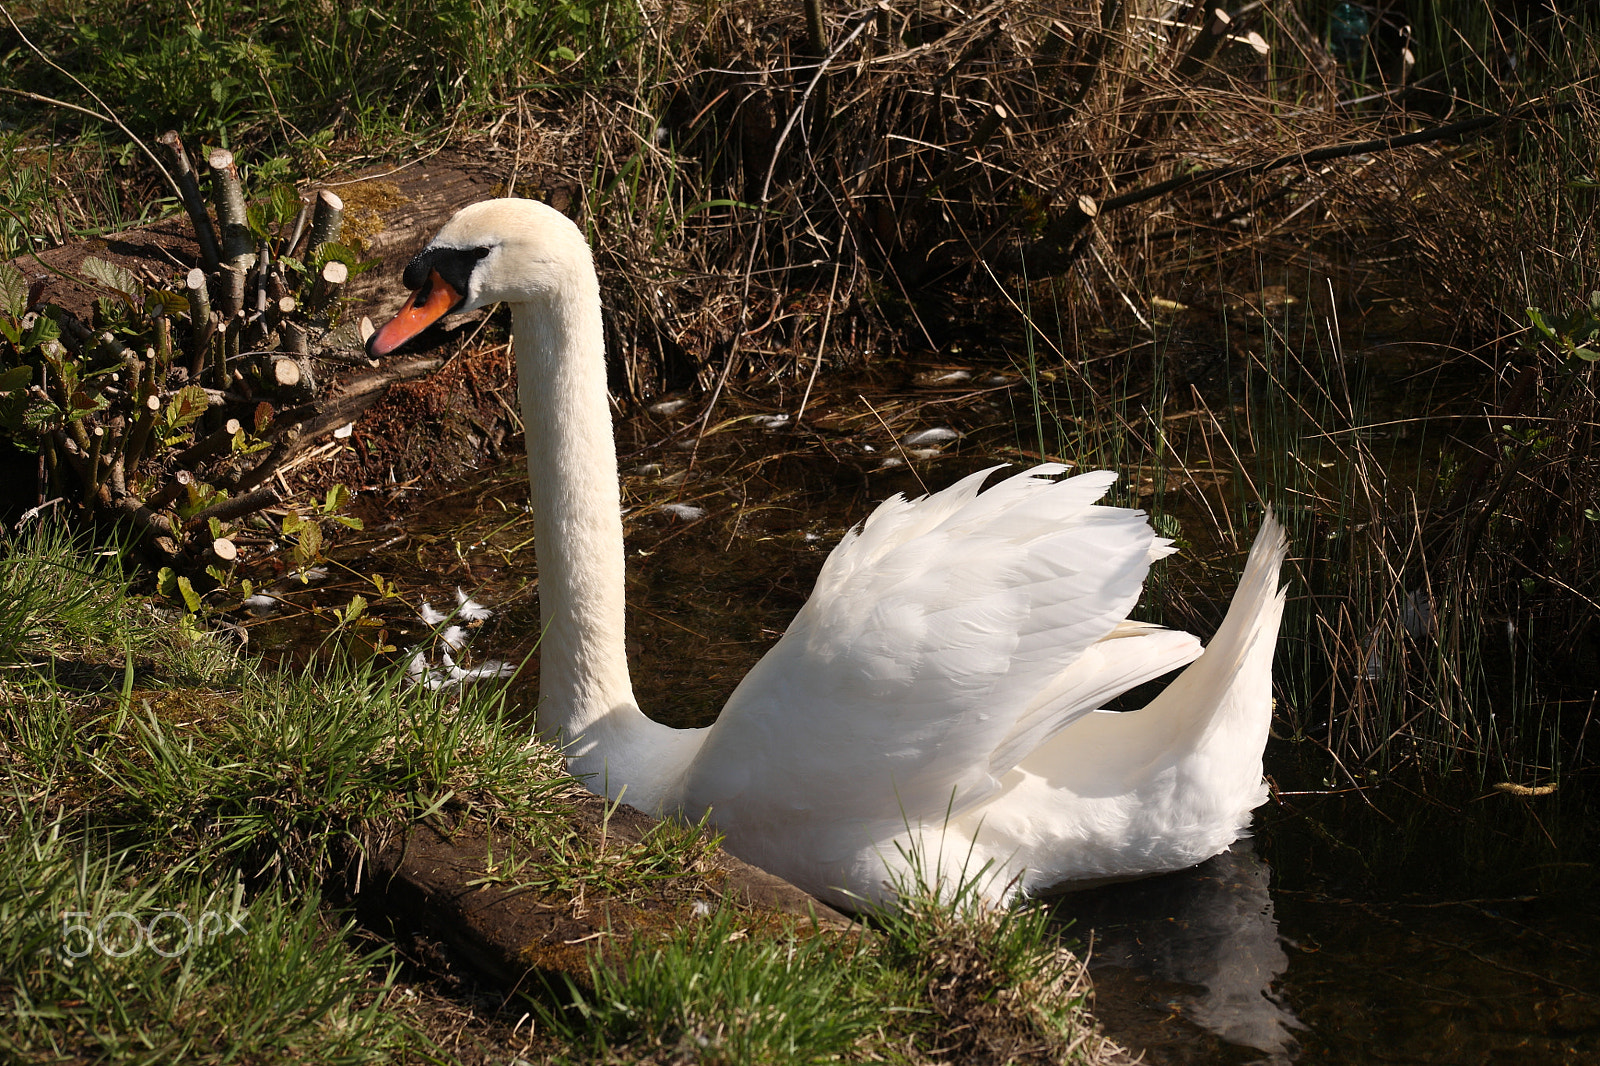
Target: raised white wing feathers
{"x":945,"y":639}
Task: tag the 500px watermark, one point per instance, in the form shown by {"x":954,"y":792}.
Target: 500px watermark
{"x":119,"y":933}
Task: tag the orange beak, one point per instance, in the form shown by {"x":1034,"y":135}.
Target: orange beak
{"x":428,"y":305}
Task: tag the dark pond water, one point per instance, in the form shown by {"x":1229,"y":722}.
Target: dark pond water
{"x":1397,"y":923}
{"x":1372,"y":927}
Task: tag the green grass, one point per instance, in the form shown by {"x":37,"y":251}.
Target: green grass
{"x":174,"y":811}
{"x":220,"y":977}
{"x":170,"y":745}
{"x":722,"y":993}
{"x":297,"y":74}
{"x":939,"y":975}
{"x":156,"y":782}
{"x":291,"y":86}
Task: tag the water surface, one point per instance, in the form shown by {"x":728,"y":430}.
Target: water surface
{"x":1399,"y":922}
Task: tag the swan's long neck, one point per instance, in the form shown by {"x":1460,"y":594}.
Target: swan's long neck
{"x":585,"y":697}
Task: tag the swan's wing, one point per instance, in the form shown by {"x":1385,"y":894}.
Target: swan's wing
{"x":944,"y":639}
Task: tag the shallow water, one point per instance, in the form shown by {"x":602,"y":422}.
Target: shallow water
{"x":1396,"y":923}
{"x":1375,"y":927}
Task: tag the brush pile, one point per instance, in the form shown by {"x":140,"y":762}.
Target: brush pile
{"x":175,"y":404}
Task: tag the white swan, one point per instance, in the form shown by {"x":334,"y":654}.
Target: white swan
{"x":934,"y":702}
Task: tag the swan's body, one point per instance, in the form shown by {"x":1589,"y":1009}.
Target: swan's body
{"x":932,"y":709}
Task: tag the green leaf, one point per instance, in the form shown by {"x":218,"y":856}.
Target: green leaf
{"x":285,"y":204}
{"x":112,"y":276}
{"x":114,"y":313}
{"x":45,"y":329}
{"x":18,"y":377}
{"x":188,"y":404}
{"x":170,"y":303}
{"x":13,"y":291}
{"x":191,"y":598}
{"x":255,"y":217}
{"x":334,"y":250}
{"x":40,"y":415}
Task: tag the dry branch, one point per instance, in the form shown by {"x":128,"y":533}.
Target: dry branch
{"x":237,"y":507}
{"x":218,"y":441}
{"x":204,"y":234}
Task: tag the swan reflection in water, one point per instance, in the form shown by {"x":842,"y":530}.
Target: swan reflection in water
{"x":1210,"y":927}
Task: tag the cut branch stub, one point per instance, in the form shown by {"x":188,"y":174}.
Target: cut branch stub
{"x":295,"y":339}
{"x":1204,"y":46}
{"x":200,"y":323}
{"x":221,"y":551}
{"x":228,"y":195}
{"x":1079,"y":214}
{"x":219,"y":440}
{"x":231,"y":300}
{"x":263,"y":271}
{"x":298,"y":229}
{"x":285,"y":373}
{"x":326,"y":288}
{"x":140,"y":435}
{"x":326,"y":222}
{"x":181,"y":480}
{"x":193,"y":203}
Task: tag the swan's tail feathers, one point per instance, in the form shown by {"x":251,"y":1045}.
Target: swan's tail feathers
{"x":1130,"y":655}
{"x":1258,"y":601}
{"x":1223,"y":702}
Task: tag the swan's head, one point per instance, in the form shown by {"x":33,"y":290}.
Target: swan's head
{"x":511,"y":250}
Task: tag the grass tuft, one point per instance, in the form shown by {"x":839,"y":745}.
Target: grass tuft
{"x":109,"y":960}
{"x":1000,"y":983}
{"x":170,"y":827}
{"x":720,"y":992}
